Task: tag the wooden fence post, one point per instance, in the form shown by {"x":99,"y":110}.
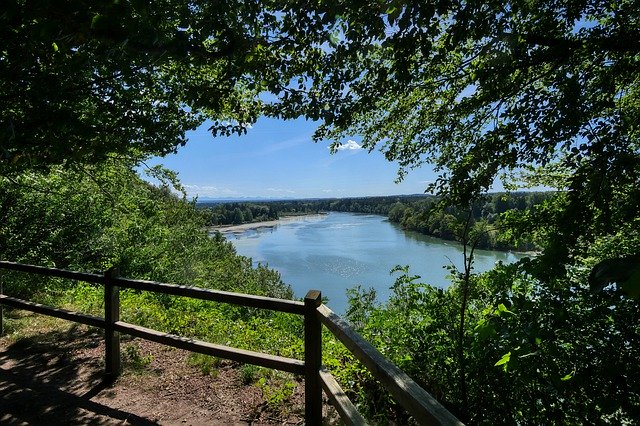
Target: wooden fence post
{"x":312,"y":359}
{"x":1,"y":308}
{"x":112,"y":363}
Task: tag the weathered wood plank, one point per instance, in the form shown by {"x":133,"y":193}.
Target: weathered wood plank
{"x":53,"y":312}
{"x":52,"y":272}
{"x":241,"y":355}
{"x":282,"y":305}
{"x":312,"y":359}
{"x":348,"y":412}
{"x":1,"y":305}
{"x":289,"y":306}
{"x":418,"y":402}
{"x":112,"y":363}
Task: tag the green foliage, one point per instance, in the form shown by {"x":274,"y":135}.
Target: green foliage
{"x":562,"y":343}
{"x":533,"y":353}
{"x":479,"y":89}
{"x":207,"y":364}
{"x":416,"y":329}
{"x":276,"y":392}
{"x":491,"y":213}
{"x":93,"y":218}
{"x":249,"y":374}
{"x":85,"y":81}
{"x":132,"y":358}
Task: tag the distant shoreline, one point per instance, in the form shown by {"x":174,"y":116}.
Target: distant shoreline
{"x":265,"y":224}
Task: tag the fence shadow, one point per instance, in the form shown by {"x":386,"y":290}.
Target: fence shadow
{"x":44,"y":380}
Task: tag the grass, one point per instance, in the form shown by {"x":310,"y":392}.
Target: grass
{"x":207,"y":364}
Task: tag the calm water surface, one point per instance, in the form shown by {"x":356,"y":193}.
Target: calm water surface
{"x":338,"y":251}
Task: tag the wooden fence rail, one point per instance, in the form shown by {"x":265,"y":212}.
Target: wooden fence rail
{"x":422,"y":406}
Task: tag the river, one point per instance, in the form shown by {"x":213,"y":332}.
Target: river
{"x":337,"y":251}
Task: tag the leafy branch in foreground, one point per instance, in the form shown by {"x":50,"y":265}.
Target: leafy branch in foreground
{"x":82,"y":81}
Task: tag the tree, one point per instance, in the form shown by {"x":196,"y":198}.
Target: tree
{"x":536,"y":93}
{"x":106,"y":215}
{"x":488,"y":89}
{"x":82,"y":81}
{"x":237,"y":216}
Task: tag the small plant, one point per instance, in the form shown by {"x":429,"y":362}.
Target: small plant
{"x":276,"y":393}
{"x":134,"y":359}
{"x":208,"y":364}
{"x":249,"y":373}
{"x":9,"y":326}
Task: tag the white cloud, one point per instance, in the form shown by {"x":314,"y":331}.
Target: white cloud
{"x":208,"y":191}
{"x":201,"y":188}
{"x":327,"y":190}
{"x":281,"y":190}
{"x":350,"y":145}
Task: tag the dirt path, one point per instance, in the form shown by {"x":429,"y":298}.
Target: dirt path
{"x":56,"y":378}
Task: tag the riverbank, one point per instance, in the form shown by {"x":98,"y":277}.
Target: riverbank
{"x":265,"y":224}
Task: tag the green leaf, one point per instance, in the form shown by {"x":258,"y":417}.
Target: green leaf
{"x":504,"y":360}
{"x":503,"y":308}
{"x":55,"y":46}
{"x":485,"y":330}
{"x":568,"y":376}
{"x":96,"y":21}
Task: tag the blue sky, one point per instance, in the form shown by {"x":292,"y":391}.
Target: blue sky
{"x":277,"y":159}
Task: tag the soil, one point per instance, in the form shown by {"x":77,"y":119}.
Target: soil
{"x":57,"y":378}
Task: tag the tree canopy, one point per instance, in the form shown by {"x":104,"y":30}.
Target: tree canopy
{"x":536,"y":92}
{"x":81,"y":81}
{"x":476,"y":88}
{"x":479,"y":88}
{"x":544,"y":93}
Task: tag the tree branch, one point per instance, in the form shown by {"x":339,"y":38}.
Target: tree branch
{"x":621,"y":42}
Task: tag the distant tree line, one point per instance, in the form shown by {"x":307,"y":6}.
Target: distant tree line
{"x":419,"y":213}
{"x":237,"y":213}
{"x":428,"y":217}
{"x":234,"y":213}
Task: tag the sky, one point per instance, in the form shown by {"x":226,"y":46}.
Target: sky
{"x":277,"y":159}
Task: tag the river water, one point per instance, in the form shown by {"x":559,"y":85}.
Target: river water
{"x":337,"y":251}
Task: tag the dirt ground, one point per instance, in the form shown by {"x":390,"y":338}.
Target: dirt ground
{"x":56,"y":378}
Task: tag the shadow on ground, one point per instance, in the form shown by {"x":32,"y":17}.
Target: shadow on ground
{"x":50,"y":379}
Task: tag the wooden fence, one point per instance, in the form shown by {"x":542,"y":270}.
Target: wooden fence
{"x":420,"y":404}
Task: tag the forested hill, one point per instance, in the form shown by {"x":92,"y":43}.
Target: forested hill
{"x":420,"y":213}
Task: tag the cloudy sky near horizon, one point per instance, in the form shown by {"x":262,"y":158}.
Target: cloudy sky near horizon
{"x":277,"y":159}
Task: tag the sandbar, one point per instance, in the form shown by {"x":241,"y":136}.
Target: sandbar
{"x":265,"y":224}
